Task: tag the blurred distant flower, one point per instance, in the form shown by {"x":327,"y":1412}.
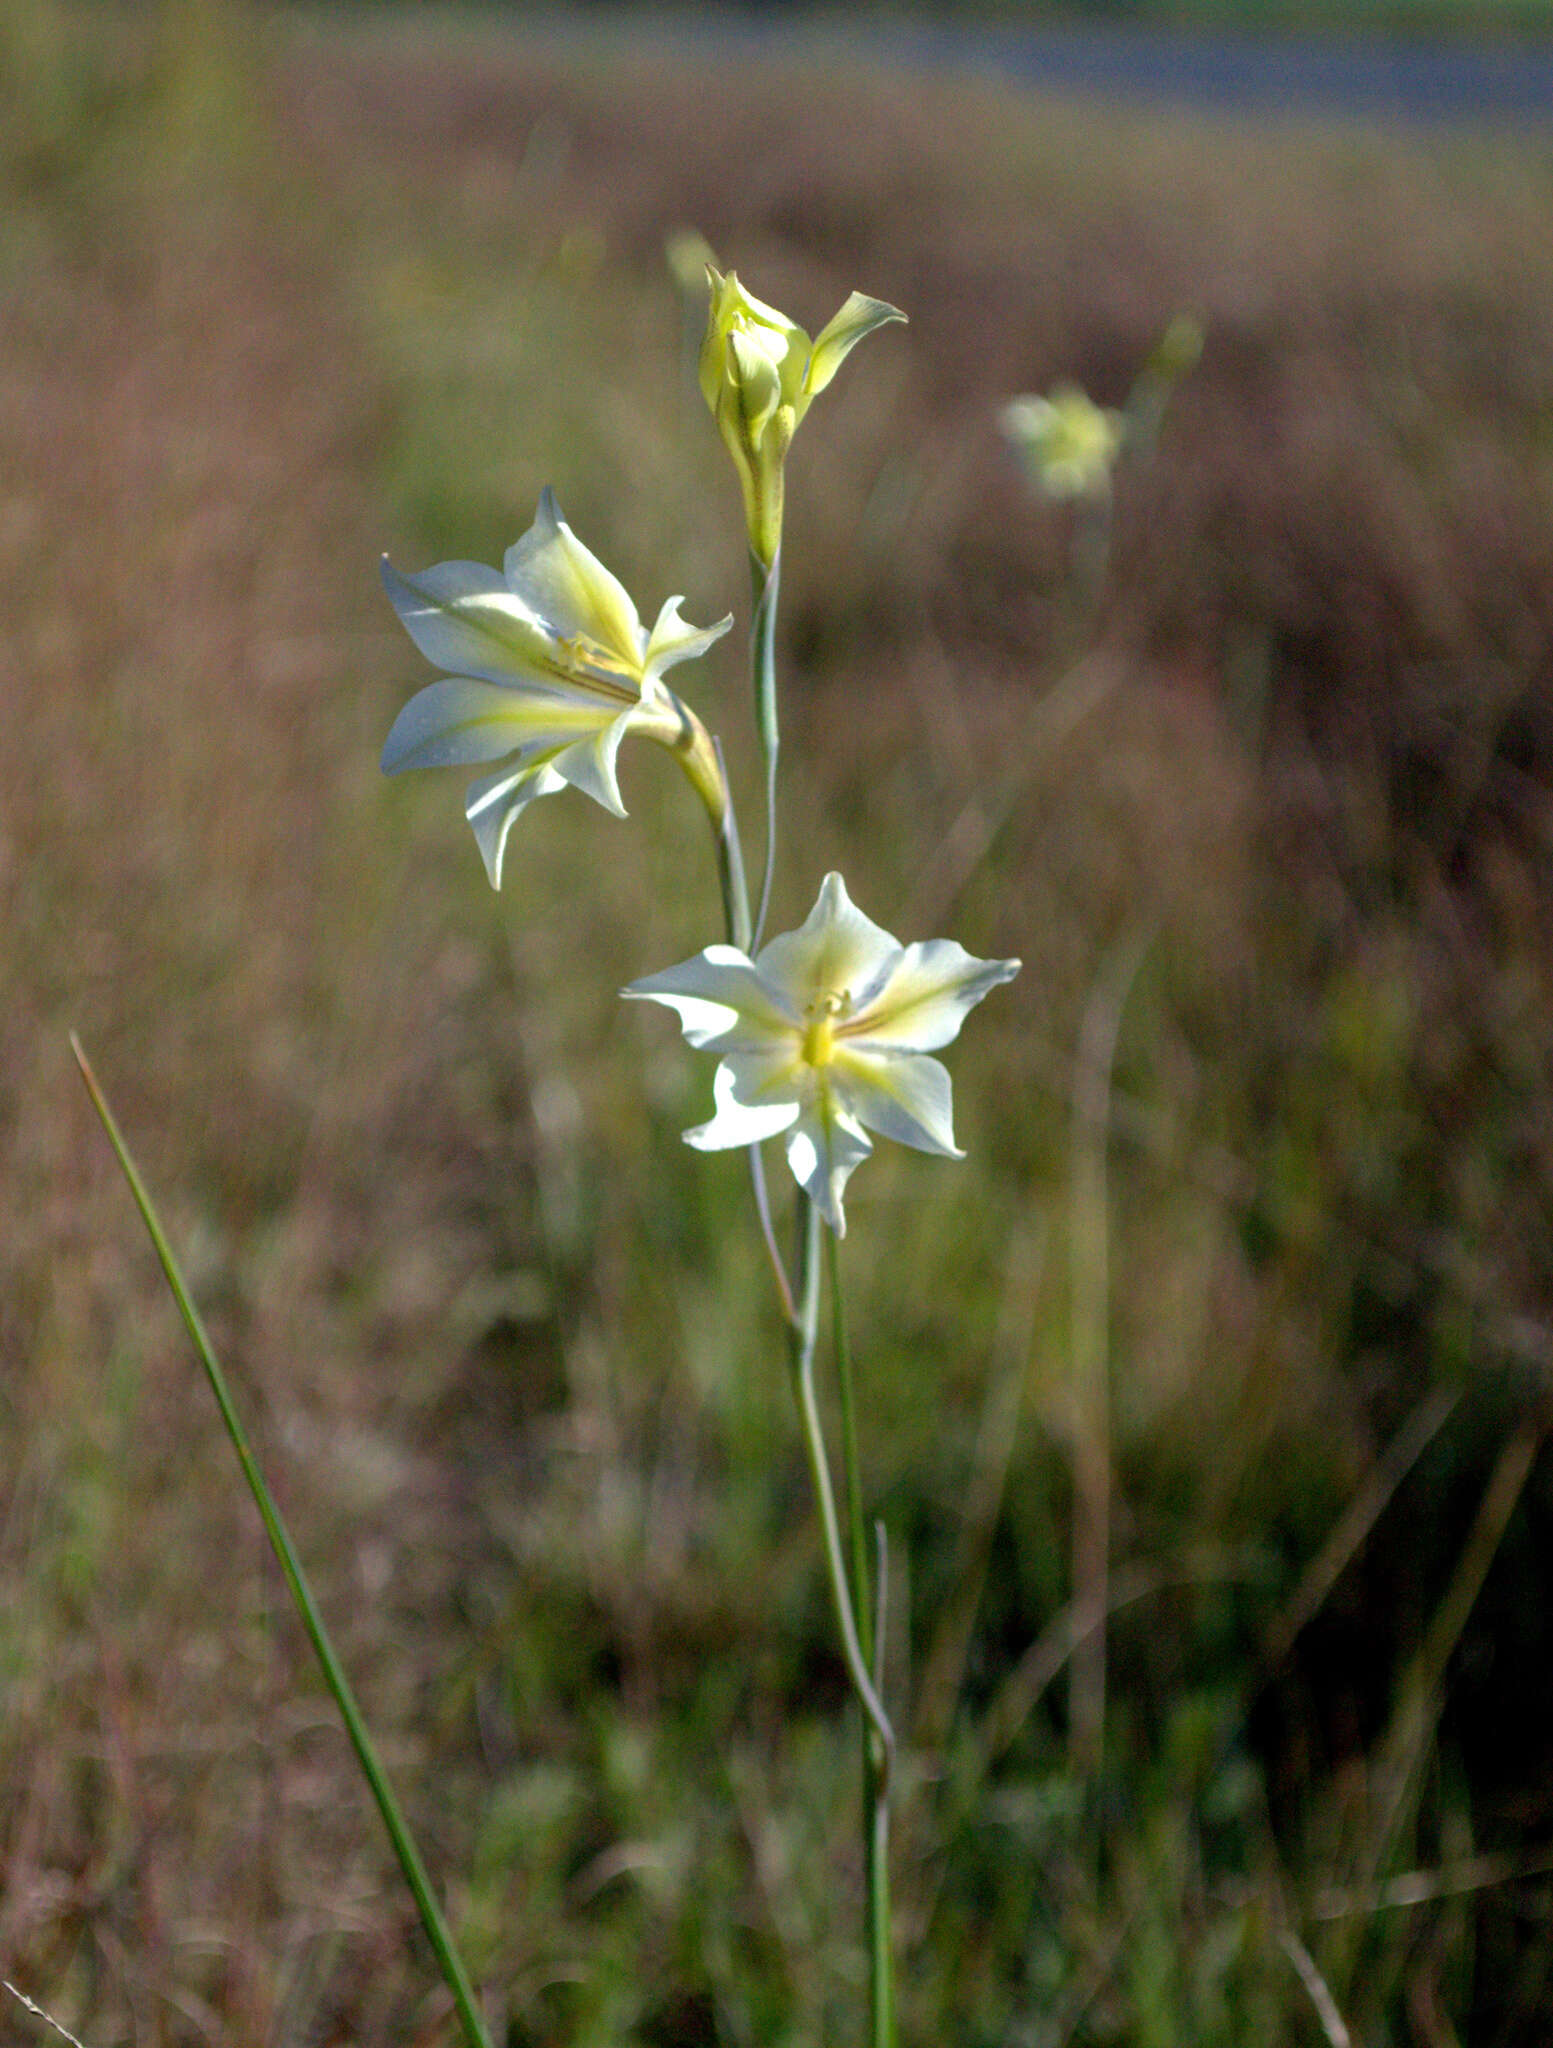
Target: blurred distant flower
{"x":1067,"y":443}
{"x":690,"y":256}
{"x":550,"y":668}
{"x":1179,"y":348}
{"x":825,"y":1034}
{"x":758,"y":374}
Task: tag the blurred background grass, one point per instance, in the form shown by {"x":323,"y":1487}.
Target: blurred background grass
{"x":280,"y":293}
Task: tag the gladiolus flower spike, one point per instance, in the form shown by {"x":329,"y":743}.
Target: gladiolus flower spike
{"x":825,"y":1035}
{"x":549,"y":668}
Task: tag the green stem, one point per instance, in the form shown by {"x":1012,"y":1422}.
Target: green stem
{"x":862,"y":1590}
{"x":876,"y":1800}
{"x":736,"y":918}
{"x":1091,"y":558}
{"x":765,"y":582}
{"x":768,"y":1236}
{"x":801,"y":1343}
{"x":398,"y":1833}
{"x":730,"y":866}
{"x":701,"y":757}
{"x":881,"y":1957}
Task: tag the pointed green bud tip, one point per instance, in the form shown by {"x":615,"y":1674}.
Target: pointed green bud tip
{"x":836,"y":340}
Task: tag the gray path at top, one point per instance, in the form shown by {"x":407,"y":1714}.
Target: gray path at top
{"x":1365,"y":77}
{"x":1361,"y":77}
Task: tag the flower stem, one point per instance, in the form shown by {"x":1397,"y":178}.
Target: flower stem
{"x":736,"y":916}
{"x":855,"y":1622}
{"x":677,"y":727}
{"x":862,"y":1593}
{"x":291,"y":1565}
{"x":730,"y":865}
{"x":876,"y":1759}
{"x":701,"y":757}
{"x":801,"y":1343}
{"x":768,"y":1236}
{"x":765,"y":583}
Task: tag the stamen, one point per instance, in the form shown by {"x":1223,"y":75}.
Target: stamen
{"x":584,"y":661}
{"x":819,"y":1036}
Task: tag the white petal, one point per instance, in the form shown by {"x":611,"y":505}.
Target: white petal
{"x":773,"y":1071}
{"x":675,"y":639}
{"x":494,"y":803}
{"x":836,"y":949}
{"x":738,"y":1123}
{"x":736,"y":301}
{"x":589,"y":764}
{"x":464,"y":618}
{"x":720,"y":992}
{"x":736,"y":314}
{"x":822,"y":1152}
{"x":551,"y":571}
{"x":701,"y":1021}
{"x":1027,"y":417}
{"x":923,"y":997}
{"x":904,"y":1096}
{"x":757,"y":381}
{"x":460,"y":721}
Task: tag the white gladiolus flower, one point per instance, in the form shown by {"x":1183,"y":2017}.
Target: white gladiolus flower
{"x":550,"y":668}
{"x":826,"y":1035}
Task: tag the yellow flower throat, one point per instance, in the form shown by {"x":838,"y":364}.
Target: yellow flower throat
{"x":819,"y":1035}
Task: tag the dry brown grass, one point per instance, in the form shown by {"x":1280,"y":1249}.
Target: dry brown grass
{"x":196,"y":878}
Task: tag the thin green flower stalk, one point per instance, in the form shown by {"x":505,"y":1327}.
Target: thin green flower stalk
{"x":854,"y":1624}
{"x":868,"y":1604}
{"x":1174,"y":356}
{"x":824,"y":1035}
{"x":760,"y":372}
{"x":736,"y":919}
{"x":448,"y":1959}
{"x":717,"y":800}
{"x":803,"y":1336}
{"x":765,"y":585}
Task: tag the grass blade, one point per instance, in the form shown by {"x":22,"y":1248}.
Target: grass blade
{"x":410,"y":1863}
